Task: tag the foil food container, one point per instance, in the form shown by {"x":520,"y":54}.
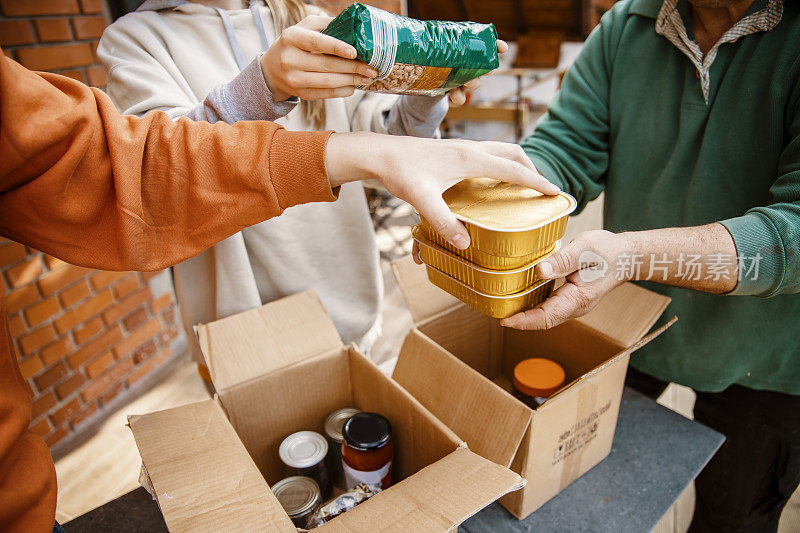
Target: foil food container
{"x":490,"y":282}
{"x":494,"y":306}
{"x":509,"y":225}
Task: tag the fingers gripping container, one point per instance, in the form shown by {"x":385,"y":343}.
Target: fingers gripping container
{"x":509,"y":225}
{"x":494,"y":306}
{"x":490,"y":282}
{"x":414,"y":56}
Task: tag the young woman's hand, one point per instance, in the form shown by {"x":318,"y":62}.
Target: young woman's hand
{"x":311,"y":65}
{"x":458,"y":96}
{"x":420,"y":170}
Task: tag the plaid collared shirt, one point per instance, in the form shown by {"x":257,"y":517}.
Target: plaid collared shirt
{"x":670,"y":24}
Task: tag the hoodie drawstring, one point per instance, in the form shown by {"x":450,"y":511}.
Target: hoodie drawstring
{"x":241,"y":62}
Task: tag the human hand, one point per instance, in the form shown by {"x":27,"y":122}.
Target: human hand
{"x":420,"y":170}
{"x":586,"y":263}
{"x":311,"y":65}
{"x":458,"y":96}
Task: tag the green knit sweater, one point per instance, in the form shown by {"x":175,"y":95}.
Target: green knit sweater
{"x":631,"y":119}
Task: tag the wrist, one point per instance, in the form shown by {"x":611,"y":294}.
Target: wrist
{"x":277,"y":94}
{"x":353,"y":156}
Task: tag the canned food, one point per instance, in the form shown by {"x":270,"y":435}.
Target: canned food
{"x":333,"y":432}
{"x":509,"y":225}
{"x":303,"y":454}
{"x":300,"y":498}
{"x":494,"y":306}
{"x":492,"y":282}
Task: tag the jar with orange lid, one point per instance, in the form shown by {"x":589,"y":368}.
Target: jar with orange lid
{"x":367,"y":451}
{"x":536,"y":379}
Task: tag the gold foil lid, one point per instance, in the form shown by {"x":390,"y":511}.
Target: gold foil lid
{"x":505,"y":206}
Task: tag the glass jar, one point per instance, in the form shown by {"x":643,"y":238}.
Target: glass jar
{"x":300,"y":498}
{"x":367,"y":451}
{"x":537,"y":379}
{"x":303,"y":454}
{"x":333,"y":432}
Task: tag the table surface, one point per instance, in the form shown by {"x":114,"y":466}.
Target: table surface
{"x":656,"y":454}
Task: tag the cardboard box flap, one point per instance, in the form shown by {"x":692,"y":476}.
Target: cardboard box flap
{"x":626,"y":314}
{"x":202,"y":475}
{"x":259,"y":341}
{"x":437,"y":498}
{"x":629,"y":350}
{"x":423,"y":298}
{"x":491,"y":421}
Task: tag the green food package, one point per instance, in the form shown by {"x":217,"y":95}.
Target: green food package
{"x":414,"y":56}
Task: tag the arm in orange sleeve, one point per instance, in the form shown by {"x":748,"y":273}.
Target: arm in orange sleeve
{"x":97,"y":189}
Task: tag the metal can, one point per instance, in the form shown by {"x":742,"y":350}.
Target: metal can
{"x":303,"y":454}
{"x":299,"y":496}
{"x":333,"y":432}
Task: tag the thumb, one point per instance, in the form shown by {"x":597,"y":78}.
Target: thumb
{"x":560,"y":264}
{"x":435,"y":211}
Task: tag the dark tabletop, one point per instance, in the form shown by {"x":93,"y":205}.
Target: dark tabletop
{"x":656,"y":454}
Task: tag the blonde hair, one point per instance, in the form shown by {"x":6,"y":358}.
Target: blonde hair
{"x":287,"y":13}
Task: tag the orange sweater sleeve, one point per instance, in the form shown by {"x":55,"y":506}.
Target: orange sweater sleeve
{"x":82,"y":183}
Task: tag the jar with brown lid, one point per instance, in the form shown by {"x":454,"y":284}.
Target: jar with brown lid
{"x":536,"y":379}
{"x":367,"y":451}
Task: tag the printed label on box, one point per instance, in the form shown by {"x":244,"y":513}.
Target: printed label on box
{"x":579,"y":435}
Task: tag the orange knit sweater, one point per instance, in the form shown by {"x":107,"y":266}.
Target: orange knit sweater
{"x":97,"y":189}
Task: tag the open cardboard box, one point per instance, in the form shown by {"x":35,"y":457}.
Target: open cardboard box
{"x":283,"y":368}
{"x":458,"y":363}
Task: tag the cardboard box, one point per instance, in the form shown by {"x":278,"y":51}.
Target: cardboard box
{"x":280,"y":369}
{"x":458,"y":363}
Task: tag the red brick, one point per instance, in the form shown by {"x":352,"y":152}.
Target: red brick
{"x":94,"y":347}
{"x":84,"y":413}
{"x":138,"y":338}
{"x":91,"y":6}
{"x":65,"y":389}
{"x":169,"y":315}
{"x":30,"y":366}
{"x":88,"y":27}
{"x":50,"y":376}
{"x":34,"y":340}
{"x":25,"y":272}
{"x":54,"y":263}
{"x":84,"y":311}
{"x":97,"y":76}
{"x":144,"y":352}
{"x":55,"y":29}
{"x":76,"y":75}
{"x":87,"y":330}
{"x":55,"y":57}
{"x":99,"y":365}
{"x":54,"y":281}
{"x":168,"y":334}
{"x":13,"y":251}
{"x":16,"y":326}
{"x":15,"y":32}
{"x":55,"y":351}
{"x":104,"y":278}
{"x":127,"y":305}
{"x":41,"y":428}
{"x":126,"y":286}
{"x":94,"y":45}
{"x":74,"y":294}
{"x":111,"y":393}
{"x":42,"y":405}
{"x":141,"y":371}
{"x":38,"y":313}
{"x":98,"y":385}
{"x":62,"y":414}
{"x":56,"y":436}
{"x":22,"y":8}
{"x":161,"y":303}
{"x":136,"y":319}
{"x":21,"y":298}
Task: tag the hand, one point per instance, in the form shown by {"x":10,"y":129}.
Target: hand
{"x":458,"y":96}
{"x":311,"y":65}
{"x":420,"y":170}
{"x":588,"y":265}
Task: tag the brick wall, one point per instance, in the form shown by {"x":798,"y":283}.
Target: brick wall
{"x":83,"y":337}
{"x":54,"y":35}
